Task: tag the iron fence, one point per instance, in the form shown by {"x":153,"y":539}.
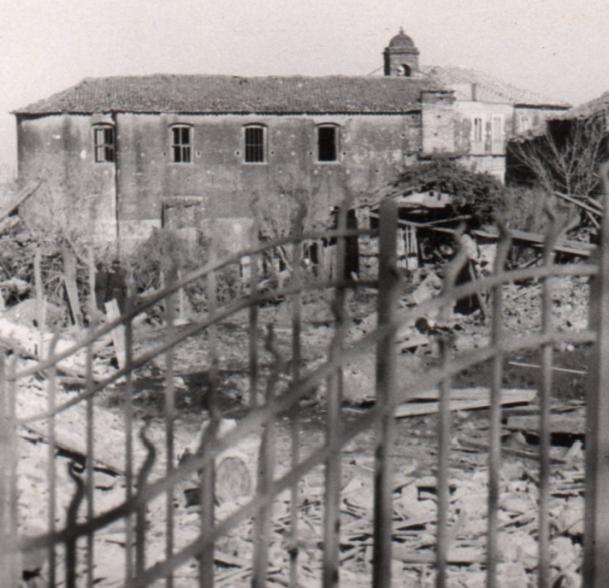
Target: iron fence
{"x":152,"y":471}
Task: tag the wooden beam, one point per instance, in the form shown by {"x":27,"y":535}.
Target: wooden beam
{"x":21,"y":197}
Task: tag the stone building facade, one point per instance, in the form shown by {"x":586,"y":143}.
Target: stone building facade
{"x":132,"y":153}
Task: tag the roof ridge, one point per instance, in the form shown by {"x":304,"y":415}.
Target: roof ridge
{"x":215,"y":93}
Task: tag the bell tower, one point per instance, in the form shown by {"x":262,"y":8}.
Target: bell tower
{"x":401,"y":56}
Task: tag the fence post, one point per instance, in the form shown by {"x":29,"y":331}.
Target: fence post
{"x":5,"y":575}
{"x":10,"y":567}
{"x":386,"y":390}
{"x":596,"y":535}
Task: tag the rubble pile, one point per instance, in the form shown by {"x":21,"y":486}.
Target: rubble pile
{"x":414,"y":499}
{"x":570,"y":298}
{"x":415,"y":491}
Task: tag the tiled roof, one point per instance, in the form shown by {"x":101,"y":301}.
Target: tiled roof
{"x":488,"y":87}
{"x":223,"y":94}
{"x":596,"y":106}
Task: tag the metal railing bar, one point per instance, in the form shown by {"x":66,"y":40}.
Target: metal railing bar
{"x":89,"y":480}
{"x":51,"y":472}
{"x":207,"y":478}
{"x":452,"y":272}
{"x":444,"y":418}
{"x":5,"y":539}
{"x":253,"y":334}
{"x":283,"y":403}
{"x":128,"y":416}
{"x":331,"y":526}
{"x":169,"y":399}
{"x":444,"y":427}
{"x":294,"y":414}
{"x":545,"y":391}
{"x":266,"y":472}
{"x":494,"y":453}
{"x":13,"y":492}
{"x":595,"y":570}
{"x":386,"y":395}
{"x":71,"y":561}
{"x":140,"y":515}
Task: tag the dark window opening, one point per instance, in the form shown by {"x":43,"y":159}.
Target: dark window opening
{"x":327,"y":147}
{"x":181,"y":138}
{"x":404,"y":70}
{"x":103,"y":138}
{"x":351,"y":243}
{"x":254,"y":145}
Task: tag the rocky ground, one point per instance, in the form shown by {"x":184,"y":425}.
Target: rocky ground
{"x":415,"y":495}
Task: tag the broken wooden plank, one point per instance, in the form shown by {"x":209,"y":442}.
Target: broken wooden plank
{"x":28,"y":341}
{"x":482,"y":447}
{"x":537,"y":240}
{"x":21,"y":197}
{"x":586,"y":207}
{"x":118,"y":333}
{"x":572,"y":423}
{"x":554,"y":368}
{"x":69,"y":278}
{"x":456,"y":555}
{"x":477,"y":393}
{"x":70,"y":427}
{"x":462,"y":399}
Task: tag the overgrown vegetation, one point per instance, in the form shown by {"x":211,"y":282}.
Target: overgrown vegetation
{"x":564,"y":158}
{"x":563,"y":162}
{"x":166,"y":253}
{"x":474,"y":194}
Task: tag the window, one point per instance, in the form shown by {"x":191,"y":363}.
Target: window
{"x":103,"y":143}
{"x":497,"y":134}
{"x":181,"y":144}
{"x":404,"y":70}
{"x":477,"y":130}
{"x":327,"y":143}
{"x":255,"y":150}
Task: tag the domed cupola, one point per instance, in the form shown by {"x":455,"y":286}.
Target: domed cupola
{"x":401,"y":56}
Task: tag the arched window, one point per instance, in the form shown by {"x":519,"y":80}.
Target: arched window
{"x":254,"y":144}
{"x":327,"y":142}
{"x":181,"y":143}
{"x":404,"y":70}
{"x":103,"y":143}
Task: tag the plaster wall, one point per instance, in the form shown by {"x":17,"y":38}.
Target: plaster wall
{"x":372,"y":148}
{"x":438,"y":120}
{"x":494,"y":123}
{"x":77,"y":193}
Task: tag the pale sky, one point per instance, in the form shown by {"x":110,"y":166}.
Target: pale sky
{"x":555,"y":47}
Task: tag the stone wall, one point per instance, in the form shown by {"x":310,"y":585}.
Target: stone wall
{"x":372,"y":148}
{"x":77,"y":193}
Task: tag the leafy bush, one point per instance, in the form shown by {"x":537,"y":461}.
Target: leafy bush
{"x":474,"y":193}
{"x":166,"y":251}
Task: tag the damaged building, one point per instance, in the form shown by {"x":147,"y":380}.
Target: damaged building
{"x":188,"y":151}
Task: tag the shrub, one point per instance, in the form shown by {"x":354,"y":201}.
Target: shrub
{"x":166,"y":251}
{"x":474,"y":193}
